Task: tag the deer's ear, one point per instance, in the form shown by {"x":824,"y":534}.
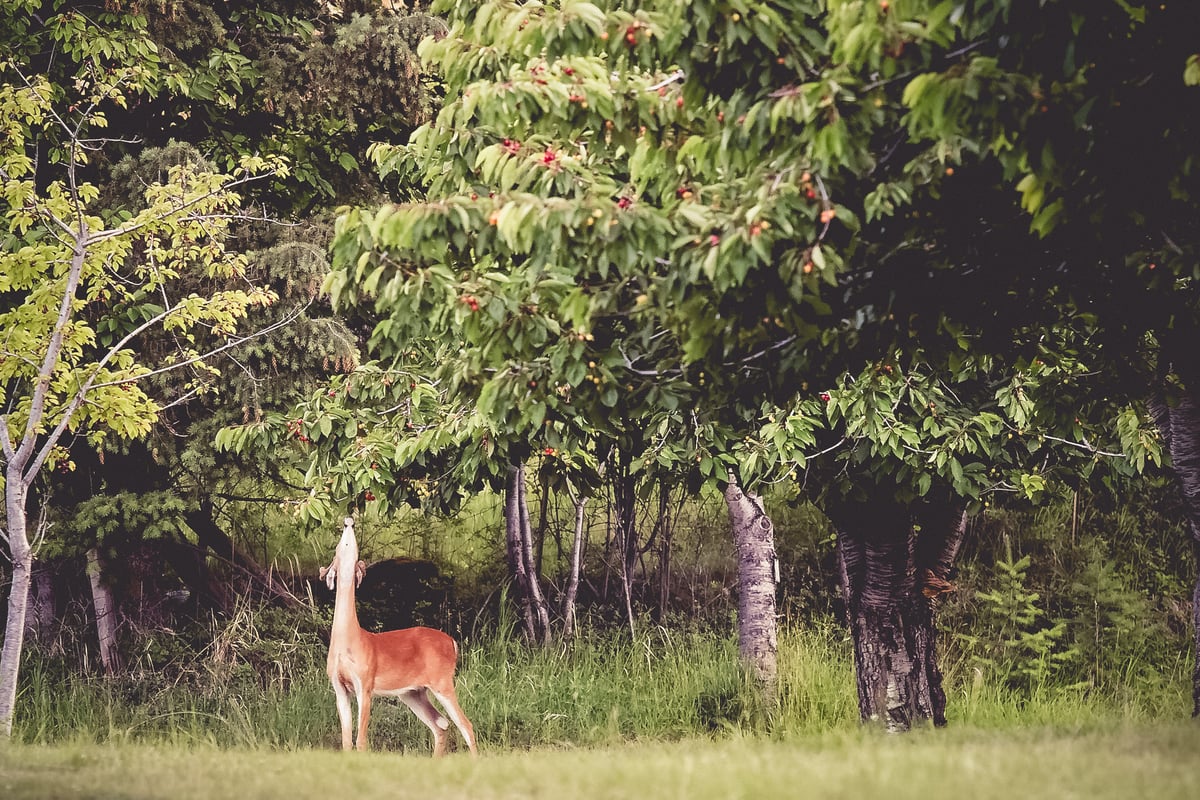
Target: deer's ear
{"x":360,"y":569}
{"x":329,"y":575}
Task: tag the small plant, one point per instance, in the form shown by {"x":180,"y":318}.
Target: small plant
{"x":1016,"y":643}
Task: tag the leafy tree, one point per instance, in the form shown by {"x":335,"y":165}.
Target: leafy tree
{"x":225,"y":78}
{"x":81,"y":291}
{"x":785,"y":233}
{"x":681,"y":186}
{"x":1085,"y":113}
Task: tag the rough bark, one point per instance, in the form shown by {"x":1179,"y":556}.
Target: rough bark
{"x":891,"y":576}
{"x":754,"y":538}
{"x":106,"y":614}
{"x":1179,"y":422}
{"x":1196,"y":625}
{"x":539,"y":535}
{"x":40,"y":617}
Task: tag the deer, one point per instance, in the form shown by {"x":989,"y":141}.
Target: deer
{"x":409,"y":663}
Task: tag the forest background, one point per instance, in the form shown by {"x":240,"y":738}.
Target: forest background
{"x":809,"y":269}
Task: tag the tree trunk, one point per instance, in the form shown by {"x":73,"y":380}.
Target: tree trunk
{"x":624,"y":502}
{"x":891,"y":576}
{"x":518,"y":540}
{"x":1196,"y":624}
{"x":572,"y":589}
{"x":512,"y":550}
{"x":539,"y":536}
{"x":106,"y":614}
{"x":754,"y":538}
{"x":40,"y":616}
{"x":1179,"y":423}
{"x":18,"y":598}
{"x":189,"y":564}
{"x":537,"y":600}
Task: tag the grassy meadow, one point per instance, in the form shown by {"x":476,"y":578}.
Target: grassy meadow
{"x":1162,"y":762}
{"x":666,"y":716}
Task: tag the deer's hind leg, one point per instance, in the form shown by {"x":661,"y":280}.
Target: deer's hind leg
{"x":418,"y":701}
{"x":449,"y":701}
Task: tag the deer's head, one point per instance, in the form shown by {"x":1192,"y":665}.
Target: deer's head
{"x":345,"y":558}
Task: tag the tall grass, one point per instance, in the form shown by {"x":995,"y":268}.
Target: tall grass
{"x":602,"y":689}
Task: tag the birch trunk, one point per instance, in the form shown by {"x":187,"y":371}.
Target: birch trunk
{"x":18,"y":599}
{"x":537,"y":600}
{"x":572,"y":588}
{"x":106,"y":614}
{"x":754,"y":538}
{"x":512,"y":549}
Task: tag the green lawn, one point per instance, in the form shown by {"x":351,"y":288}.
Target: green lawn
{"x":1130,"y":763}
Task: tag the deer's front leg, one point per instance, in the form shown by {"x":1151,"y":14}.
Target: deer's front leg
{"x":364,"y":716}
{"x":342,"y":694}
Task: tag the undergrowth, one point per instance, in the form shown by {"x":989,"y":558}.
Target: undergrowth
{"x":602,"y":689}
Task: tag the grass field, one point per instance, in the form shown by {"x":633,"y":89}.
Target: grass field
{"x":1159,"y":762}
{"x":669,"y":715}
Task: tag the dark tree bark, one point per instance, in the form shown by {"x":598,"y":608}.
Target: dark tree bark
{"x":754,"y":538}
{"x":891,"y":575}
{"x":1178,"y":418}
{"x":41,"y":620}
{"x":539,"y":535}
{"x":188,"y":562}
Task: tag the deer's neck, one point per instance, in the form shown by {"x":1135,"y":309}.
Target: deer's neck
{"x":345,"y":616}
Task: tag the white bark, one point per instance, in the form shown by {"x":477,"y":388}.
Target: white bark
{"x":18,"y":598}
{"x":513,"y":549}
{"x":754,"y":537}
{"x":106,"y":614}
{"x":536,"y":598}
{"x":576,"y":567}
